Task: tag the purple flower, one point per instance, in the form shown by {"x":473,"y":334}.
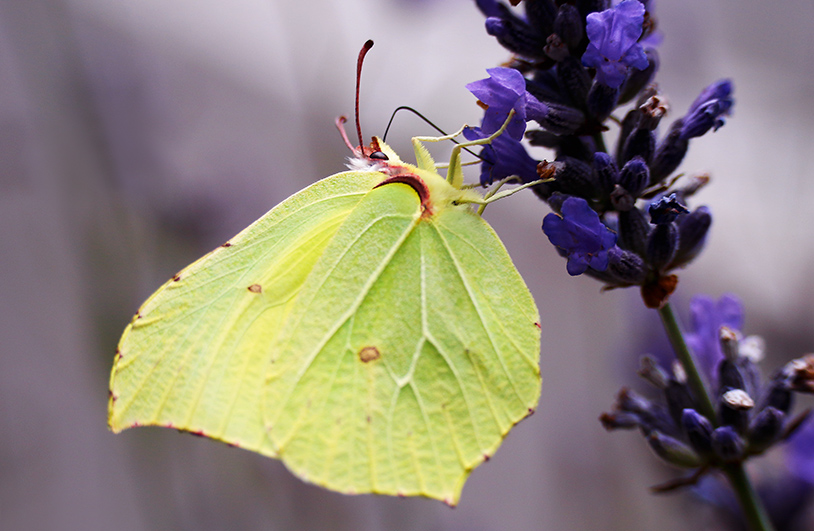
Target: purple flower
{"x":505,"y":156}
{"x":800,"y":453}
{"x":491,"y":8}
{"x":707,"y":317}
{"x":707,"y":110}
{"x":614,"y":47}
{"x":580,"y":235}
{"x":502,"y":91}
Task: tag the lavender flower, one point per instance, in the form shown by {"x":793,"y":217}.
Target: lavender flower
{"x":707,"y":110}
{"x":707,"y":316}
{"x":573,"y":66}
{"x":502,"y":91}
{"x":523,"y":36}
{"x":580,"y":235}
{"x":800,"y":453}
{"x":751,"y":414}
{"x":614,"y":47}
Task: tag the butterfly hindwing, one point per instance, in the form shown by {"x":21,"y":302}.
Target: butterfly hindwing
{"x":394,"y":373}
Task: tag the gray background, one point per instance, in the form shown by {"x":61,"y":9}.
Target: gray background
{"x":136,"y":135}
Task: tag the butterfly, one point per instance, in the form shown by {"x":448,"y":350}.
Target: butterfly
{"x":371,"y":331}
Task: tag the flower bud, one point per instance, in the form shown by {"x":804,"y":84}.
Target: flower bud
{"x":629,"y":400}
{"x":516,"y":36}
{"x":633,"y":231}
{"x":738,"y":399}
{"x":574,"y":79}
{"x":541,"y":14}
{"x":544,"y":86}
{"x":678,"y":399}
{"x":575,"y":177}
{"x":619,"y":420}
{"x":569,"y":25}
{"x":602,"y":100}
{"x":673,"y":451}
{"x":707,"y":110}
{"x":634,"y":176}
{"x":730,"y":375}
{"x":561,"y":119}
{"x":607,"y":174}
{"x":638,"y":79}
{"x":540,"y":137}
{"x":699,"y":431}
{"x":651,"y":417}
{"x":661,"y":245}
{"x":653,"y":110}
{"x":734,"y":409}
{"x":692,"y":234}
{"x":629,"y":123}
{"x":780,"y":396}
{"x":641,"y":142}
{"x":650,"y":370}
{"x":729,"y":343}
{"x":765,"y":429}
{"x":727,"y":444}
{"x":625,"y":267}
{"x":669,"y":154}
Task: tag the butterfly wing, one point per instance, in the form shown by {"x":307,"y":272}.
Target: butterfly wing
{"x":412,"y":350}
{"x":195,"y":355}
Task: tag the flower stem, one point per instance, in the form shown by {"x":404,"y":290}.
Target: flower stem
{"x":694,"y":380}
{"x":750,"y":503}
{"x":599,"y":141}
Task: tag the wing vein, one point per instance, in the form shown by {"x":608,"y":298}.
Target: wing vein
{"x":478,"y":310}
{"x":352,"y":308}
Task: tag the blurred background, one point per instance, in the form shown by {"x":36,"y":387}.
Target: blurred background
{"x":135,"y":136}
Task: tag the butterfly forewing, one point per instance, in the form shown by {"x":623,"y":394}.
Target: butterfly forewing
{"x":195,"y":355}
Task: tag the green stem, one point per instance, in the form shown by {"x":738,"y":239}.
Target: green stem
{"x":599,"y":140}
{"x":694,"y":380}
{"x":750,"y":502}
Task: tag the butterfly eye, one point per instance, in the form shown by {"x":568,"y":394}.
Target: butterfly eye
{"x":378,"y":155}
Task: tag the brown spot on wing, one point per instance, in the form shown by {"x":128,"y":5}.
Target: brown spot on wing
{"x":368,"y":354}
{"x":176,"y":277}
{"x":227,"y":244}
{"x":256,"y":288}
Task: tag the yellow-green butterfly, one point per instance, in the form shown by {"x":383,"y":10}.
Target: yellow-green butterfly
{"x":370,"y":331}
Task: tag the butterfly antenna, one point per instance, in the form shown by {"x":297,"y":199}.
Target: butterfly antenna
{"x":362,"y":53}
{"x":428,"y":121}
